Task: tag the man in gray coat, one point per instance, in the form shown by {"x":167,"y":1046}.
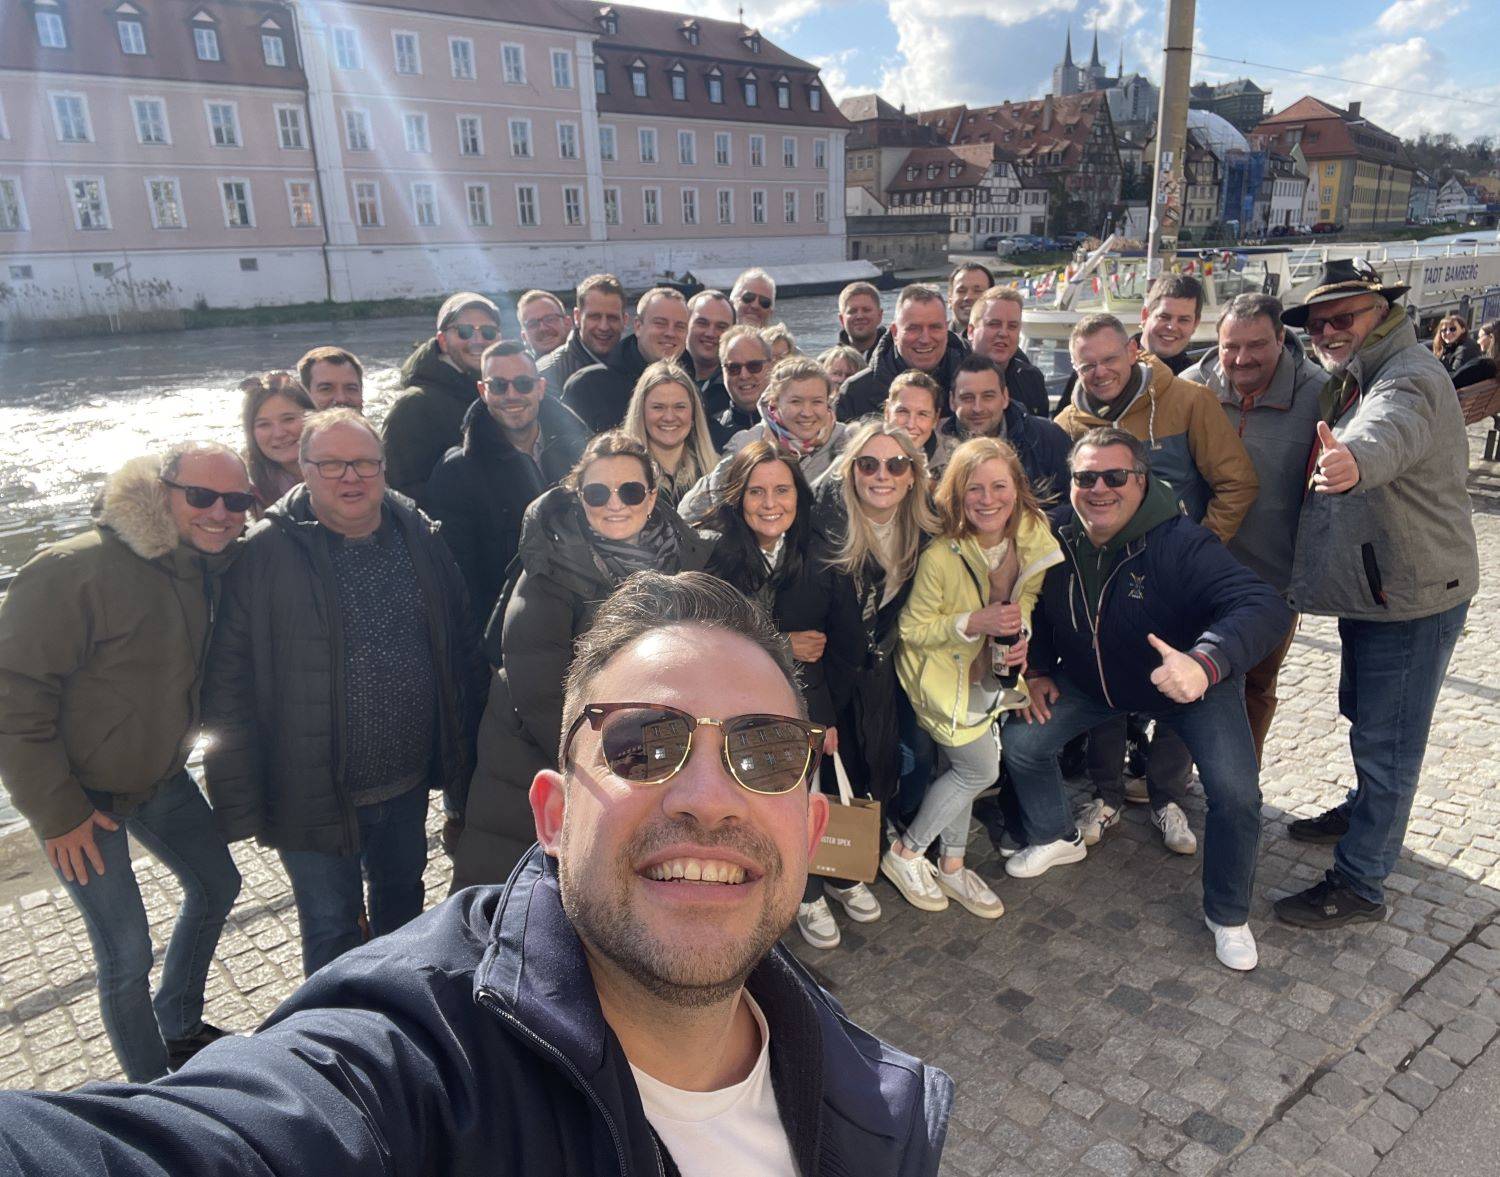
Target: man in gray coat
{"x":1269,"y":390}
{"x":1386,"y":544}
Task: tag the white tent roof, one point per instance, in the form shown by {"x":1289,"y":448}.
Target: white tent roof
{"x":1216,"y":133}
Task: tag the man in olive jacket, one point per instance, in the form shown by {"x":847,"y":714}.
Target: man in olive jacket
{"x":101,"y":655}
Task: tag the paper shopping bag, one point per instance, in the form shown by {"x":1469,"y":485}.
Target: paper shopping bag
{"x":851,"y":844}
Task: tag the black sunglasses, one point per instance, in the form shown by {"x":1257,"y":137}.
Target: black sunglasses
{"x":765,"y":303}
{"x":203,"y":497}
{"x":648,"y":743}
{"x":869,"y":466}
{"x":754,"y":367}
{"x":465,"y":331}
{"x":596,"y":494}
{"x":1114,"y":479}
{"x":499,"y":385}
{"x":1342,"y":322}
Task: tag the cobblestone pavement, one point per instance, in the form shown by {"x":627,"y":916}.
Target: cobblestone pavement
{"x":1090,"y":1030}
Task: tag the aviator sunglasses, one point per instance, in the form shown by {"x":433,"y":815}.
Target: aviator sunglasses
{"x":499,"y":385}
{"x":648,"y":743}
{"x":869,"y":465}
{"x":749,"y":297}
{"x":1114,"y":479}
{"x":596,"y":494}
{"x":203,"y":497}
{"x":465,"y":331}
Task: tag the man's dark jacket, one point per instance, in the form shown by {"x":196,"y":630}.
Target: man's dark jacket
{"x":723,"y":426}
{"x":471,"y":1044}
{"x":865,"y":392}
{"x":845,"y":341}
{"x":600,"y":393}
{"x":1026,"y":384}
{"x":1041,"y":445}
{"x":275,"y":694}
{"x":425,"y":420}
{"x":557,"y":366}
{"x":1175,"y":580}
{"x":481,"y":489}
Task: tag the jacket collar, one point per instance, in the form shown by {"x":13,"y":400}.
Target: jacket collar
{"x":483,"y":437}
{"x":887,"y":361}
{"x":1394,"y":334}
{"x":293,"y":514}
{"x":427,"y":365}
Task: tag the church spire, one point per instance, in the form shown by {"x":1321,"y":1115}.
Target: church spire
{"x":1068,"y":53}
{"x":1094,"y":62}
{"x":1121,"y":74}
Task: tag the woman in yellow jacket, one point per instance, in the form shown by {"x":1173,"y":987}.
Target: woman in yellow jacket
{"x":963,"y":643}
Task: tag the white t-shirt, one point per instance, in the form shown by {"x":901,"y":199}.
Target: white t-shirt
{"x":732,"y":1132}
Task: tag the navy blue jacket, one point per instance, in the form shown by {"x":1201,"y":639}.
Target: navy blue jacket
{"x":1176,"y":581}
{"x":1041,"y":445}
{"x":471,"y":1042}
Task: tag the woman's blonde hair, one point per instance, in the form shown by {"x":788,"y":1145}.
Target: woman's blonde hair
{"x":961,"y":466}
{"x":796,"y":368}
{"x":914,"y":518}
{"x":698,"y":453}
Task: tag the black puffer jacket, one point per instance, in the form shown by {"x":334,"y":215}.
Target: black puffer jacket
{"x":722,"y":426}
{"x":1455,"y":356}
{"x":865,"y":392}
{"x":426,"y":420}
{"x":551,"y":599}
{"x":480,"y":491}
{"x":557,"y":366}
{"x":1026,"y":384}
{"x":600,"y":394}
{"x":275,"y":695}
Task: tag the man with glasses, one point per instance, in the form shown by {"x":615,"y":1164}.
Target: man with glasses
{"x":600,"y":394}
{"x":518,"y":441}
{"x":919,"y":338}
{"x":544,"y":323}
{"x":344,"y":682}
{"x":438,"y":387}
{"x":1147,"y":613}
{"x":622,"y":1005}
{"x":745,"y":360}
{"x":754,"y":298}
{"x":101,"y":652}
{"x":1386,"y":544}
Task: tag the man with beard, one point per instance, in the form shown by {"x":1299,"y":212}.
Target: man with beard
{"x":995,"y":331}
{"x":982,"y":407}
{"x":710,"y":314}
{"x":918,"y":339}
{"x":613,"y":1008}
{"x":860,"y":313}
{"x":1385,"y":543}
{"x":965,"y":284}
{"x":598,"y":327}
{"x":754,"y":297}
{"x":601,"y":393}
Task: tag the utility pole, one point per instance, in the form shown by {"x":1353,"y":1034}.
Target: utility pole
{"x":1169,"y":186}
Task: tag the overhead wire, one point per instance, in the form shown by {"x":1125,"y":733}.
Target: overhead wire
{"x":1349,"y":81}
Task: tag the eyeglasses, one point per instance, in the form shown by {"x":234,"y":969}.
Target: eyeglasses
{"x":869,"y":466}
{"x":749,"y":297}
{"x":363,"y":467}
{"x":648,"y":743}
{"x":1114,"y":479}
{"x":1341,"y":322}
{"x":754,"y":367}
{"x":202,"y":497}
{"x":552,"y":320}
{"x":1107,"y":362}
{"x":465,"y":331}
{"x":499,"y":385}
{"x":597,"y":494}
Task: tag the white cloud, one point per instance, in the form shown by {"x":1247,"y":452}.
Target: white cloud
{"x":1412,"y":64}
{"x":772,"y":17}
{"x":1115,"y":16}
{"x":834,"y":70}
{"x":1427,"y":15}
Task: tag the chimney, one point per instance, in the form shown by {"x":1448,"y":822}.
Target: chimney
{"x":1354,"y":110}
{"x":1047,"y":113}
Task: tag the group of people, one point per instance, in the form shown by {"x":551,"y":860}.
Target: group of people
{"x":960,"y":584}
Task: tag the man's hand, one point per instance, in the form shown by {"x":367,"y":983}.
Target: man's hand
{"x":1044,"y":693}
{"x":807,"y":644}
{"x":996,"y":619}
{"x":1180,"y":677}
{"x":830,"y":743}
{"x":71,"y":851}
{"x":1337,"y":471}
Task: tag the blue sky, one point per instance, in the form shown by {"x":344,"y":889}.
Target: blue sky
{"x":930,"y":52}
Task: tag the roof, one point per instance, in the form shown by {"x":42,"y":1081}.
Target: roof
{"x":974,"y":163}
{"x":1331,"y":132}
{"x":550,"y":14}
{"x":1216,"y":133}
{"x":1028,"y":129}
{"x":864,"y":107}
{"x":648,"y":28}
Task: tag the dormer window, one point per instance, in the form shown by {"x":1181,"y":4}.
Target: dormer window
{"x":751,"y":41}
{"x":678,"y":78}
{"x":608,"y":21}
{"x":911,"y":173}
{"x":50,"y":31}
{"x":783,"y":93}
{"x":272,"y":44}
{"x":716,"y":85}
{"x":130,"y":30}
{"x":205,"y":37}
{"x":932,"y":171}
{"x":815,"y":97}
{"x":690,"y":30}
{"x":638,"y":78}
{"x":752,"y":90}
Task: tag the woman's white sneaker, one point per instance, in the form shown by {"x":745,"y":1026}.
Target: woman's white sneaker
{"x":1173,"y":824}
{"x":1037,"y":860}
{"x":971,"y":891}
{"x":1235,"y":947}
{"x":915,"y":879}
{"x":815,"y":922}
{"x":858,"y":901}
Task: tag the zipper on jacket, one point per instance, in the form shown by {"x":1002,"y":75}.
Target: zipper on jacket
{"x":1095,"y":615}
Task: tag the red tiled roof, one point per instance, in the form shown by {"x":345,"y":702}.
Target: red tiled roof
{"x":974,"y":163}
{"x":1018,"y":126}
{"x":1330,"y":132}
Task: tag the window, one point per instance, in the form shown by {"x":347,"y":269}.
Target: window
{"x":573,"y":206}
{"x":820,"y":154}
{"x":757,"y":207}
{"x":687,"y":147}
{"x":289,"y":132}
{"x":89,"y":208}
{"x":477,"y":197}
{"x":567,"y":140}
{"x":357,"y":130}
{"x":250,"y":264}
{"x":611,"y":206}
{"x":346,"y":54}
{"x":690,"y":32}
{"x":562,"y":69}
{"x":715,"y":87}
{"x":408,"y":53}
{"x":165,"y":199}
{"x":757,"y":151}
{"x":70,"y":112}
{"x":651,"y":206}
{"x":789,"y":152}
{"x":415,"y":128}
{"x":609,"y":22}
{"x":513,"y":64}
{"x":789,"y":207}
{"x":12,"y":210}
{"x":132,"y":37}
{"x":726,"y":206}
{"x":601,"y":78}
{"x":461,"y":55}
{"x":721,"y":148}
{"x":150,"y":120}
{"x":690,"y":206}
{"x":20,"y":273}
{"x":752,"y":91}
{"x":206,"y":43}
{"x":520,"y":137}
{"x":526,"y":206}
{"x":223,"y":124}
{"x":648,"y":144}
{"x":638,"y":79}
{"x":301,"y":205}
{"x":424,"y":210}
{"x":237,"y":211}
{"x":815,"y":98}
{"x":367,"y":204}
{"x":679,"y":85}
{"x":470,"y":138}
{"x":608,"y":148}
{"x":783,"y":94}
{"x":820,"y":207}
{"x":50,"y":33}
{"x":273,"y":49}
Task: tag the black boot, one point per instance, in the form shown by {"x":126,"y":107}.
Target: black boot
{"x":1325,"y":829}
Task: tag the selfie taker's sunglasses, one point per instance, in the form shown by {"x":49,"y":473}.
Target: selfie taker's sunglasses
{"x":596,"y":494}
{"x":1114,"y":479}
{"x":648,"y":743}
{"x":203,"y":497}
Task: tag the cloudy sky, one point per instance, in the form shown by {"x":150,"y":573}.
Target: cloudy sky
{"x":930,"y":52}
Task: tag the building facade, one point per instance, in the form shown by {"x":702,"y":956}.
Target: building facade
{"x":879,"y":138}
{"x":1241,"y":103}
{"x":977,"y":187}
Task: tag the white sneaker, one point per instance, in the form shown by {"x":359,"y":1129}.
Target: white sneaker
{"x":1135,"y":790}
{"x":1235,"y":947}
{"x":1094,"y":818}
{"x":858,"y":901}
{"x":815,"y":922}
{"x":915,"y":879}
{"x":971,"y":891}
{"x":1173,"y":824}
{"x":1037,"y":860}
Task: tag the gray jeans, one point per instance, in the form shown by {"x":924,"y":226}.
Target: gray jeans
{"x":945,"y":811}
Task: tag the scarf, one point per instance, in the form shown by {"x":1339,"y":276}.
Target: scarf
{"x":784,"y":438}
{"x":1115,"y":409}
{"x":653,"y":550}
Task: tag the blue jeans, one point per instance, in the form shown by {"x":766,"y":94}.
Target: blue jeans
{"x":177,"y":827}
{"x":1217,"y":734}
{"x":944,"y":813}
{"x":1388,"y":687}
{"x":329,"y":891}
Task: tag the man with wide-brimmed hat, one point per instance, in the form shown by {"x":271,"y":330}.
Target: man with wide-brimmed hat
{"x":1385,"y":544}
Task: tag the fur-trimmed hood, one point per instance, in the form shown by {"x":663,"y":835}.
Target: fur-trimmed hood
{"x":133,"y":504}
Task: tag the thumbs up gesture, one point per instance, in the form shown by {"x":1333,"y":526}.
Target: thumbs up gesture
{"x":1180,"y":677}
{"x":1337,"y":471}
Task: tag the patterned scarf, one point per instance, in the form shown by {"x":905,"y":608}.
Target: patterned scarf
{"x":784,"y":438}
{"x":653,"y":550}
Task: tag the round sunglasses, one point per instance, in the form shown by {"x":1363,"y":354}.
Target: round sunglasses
{"x":465,"y":331}
{"x":869,"y":465}
{"x":597,"y":494}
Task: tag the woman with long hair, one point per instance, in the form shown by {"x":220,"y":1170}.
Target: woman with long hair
{"x":666,"y":416}
{"x":272,"y":412}
{"x":961,"y":651}
{"x":1486,"y":364}
{"x":1452,"y":345}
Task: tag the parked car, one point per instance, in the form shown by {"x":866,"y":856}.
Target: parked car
{"x":1280,"y":231}
{"x":1003,"y":245}
{"x":1327,"y":227}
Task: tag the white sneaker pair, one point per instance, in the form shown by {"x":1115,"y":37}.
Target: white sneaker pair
{"x":815,"y":920}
